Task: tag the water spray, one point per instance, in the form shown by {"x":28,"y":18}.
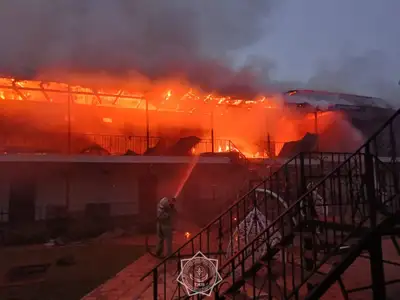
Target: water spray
{"x":188,"y":172}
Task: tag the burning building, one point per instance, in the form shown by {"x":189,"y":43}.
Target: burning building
{"x":128,"y":145}
{"x":51,"y":117}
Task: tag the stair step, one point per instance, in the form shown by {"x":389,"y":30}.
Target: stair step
{"x":262,"y":288}
{"x":282,"y":274}
{"x":276,"y":288}
{"x":322,"y":242}
{"x":330,"y":226}
{"x":290,"y":269}
{"x":239,"y":296}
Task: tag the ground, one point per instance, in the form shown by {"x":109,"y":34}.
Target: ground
{"x":96,"y":262}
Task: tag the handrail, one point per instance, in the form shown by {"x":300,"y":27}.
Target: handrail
{"x":343,"y":242}
{"x":217,"y":218}
{"x":309,"y":192}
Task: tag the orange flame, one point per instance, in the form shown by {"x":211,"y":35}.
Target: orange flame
{"x":241,"y":121}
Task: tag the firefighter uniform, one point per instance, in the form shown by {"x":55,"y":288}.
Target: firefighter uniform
{"x":165,"y":211}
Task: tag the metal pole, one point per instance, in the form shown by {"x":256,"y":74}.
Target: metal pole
{"x":269,"y":150}
{"x":69,"y":120}
{"x":67,"y":180}
{"x":316,"y":127}
{"x":147,"y":126}
{"x":376,"y":267}
{"x":67,"y":188}
{"x":212,"y":131}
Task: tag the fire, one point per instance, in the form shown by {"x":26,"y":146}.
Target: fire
{"x":187,"y":235}
{"x":34,"y":90}
{"x":239,"y":125}
{"x":230,"y":147}
{"x":227,"y":149}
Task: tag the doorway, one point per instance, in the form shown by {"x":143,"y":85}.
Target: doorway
{"x":22,"y":202}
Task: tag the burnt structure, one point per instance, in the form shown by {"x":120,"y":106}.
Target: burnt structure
{"x":51,"y":117}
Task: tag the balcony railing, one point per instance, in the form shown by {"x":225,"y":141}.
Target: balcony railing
{"x":106,"y":144}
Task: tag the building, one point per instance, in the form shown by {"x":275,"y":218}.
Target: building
{"x":91,"y":155}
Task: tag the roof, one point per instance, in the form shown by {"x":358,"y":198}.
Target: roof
{"x":332,"y":99}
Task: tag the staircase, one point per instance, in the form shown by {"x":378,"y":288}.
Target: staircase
{"x":222,"y":238}
{"x":342,"y":216}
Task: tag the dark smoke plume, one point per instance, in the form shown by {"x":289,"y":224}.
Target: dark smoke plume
{"x":155,"y":38}
{"x":158,"y":39}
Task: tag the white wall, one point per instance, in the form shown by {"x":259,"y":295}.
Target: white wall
{"x":117,"y":184}
{"x":89,"y":183}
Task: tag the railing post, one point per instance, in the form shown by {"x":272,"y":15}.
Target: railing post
{"x":147,"y":126}
{"x":316,"y":127}
{"x":376,"y":267}
{"x":212,"y":132}
{"x":393,"y":154}
{"x":155,"y":284}
{"x":69,"y":121}
{"x":369,"y":176}
{"x":375,"y":243}
{"x":303,"y":183}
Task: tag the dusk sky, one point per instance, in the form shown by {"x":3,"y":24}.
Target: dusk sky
{"x":305,"y":34}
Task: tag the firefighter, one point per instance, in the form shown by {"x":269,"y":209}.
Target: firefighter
{"x":165,"y":211}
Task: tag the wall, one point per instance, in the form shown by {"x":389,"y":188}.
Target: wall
{"x":208,"y":188}
{"x":211,"y":189}
{"x":88,"y":183}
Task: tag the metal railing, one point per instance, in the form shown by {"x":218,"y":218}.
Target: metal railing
{"x":220,"y":238}
{"x":97,"y":144}
{"x":110,"y":144}
{"x":303,"y":243}
{"x":77,"y":143}
{"x":120,"y":144}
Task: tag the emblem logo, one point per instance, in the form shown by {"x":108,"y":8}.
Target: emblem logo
{"x":199,"y":275}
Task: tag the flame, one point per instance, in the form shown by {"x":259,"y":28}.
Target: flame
{"x":187,"y":235}
{"x":34,"y":90}
{"x":239,"y":124}
{"x":229,"y":147}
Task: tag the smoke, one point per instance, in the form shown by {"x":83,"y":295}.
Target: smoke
{"x":145,"y":42}
{"x":155,"y":38}
{"x":369,"y":74}
{"x":193,"y":40}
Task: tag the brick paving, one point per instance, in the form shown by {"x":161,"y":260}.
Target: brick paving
{"x":358,"y":275}
{"x":126,"y":285}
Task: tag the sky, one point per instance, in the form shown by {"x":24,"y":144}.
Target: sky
{"x":305,"y":34}
{"x":343,"y":45}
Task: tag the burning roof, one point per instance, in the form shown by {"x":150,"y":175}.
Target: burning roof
{"x":253,"y":125}
{"x":172,"y":99}
{"x":169,"y":99}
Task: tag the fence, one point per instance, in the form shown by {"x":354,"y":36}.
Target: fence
{"x":108,"y":144}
